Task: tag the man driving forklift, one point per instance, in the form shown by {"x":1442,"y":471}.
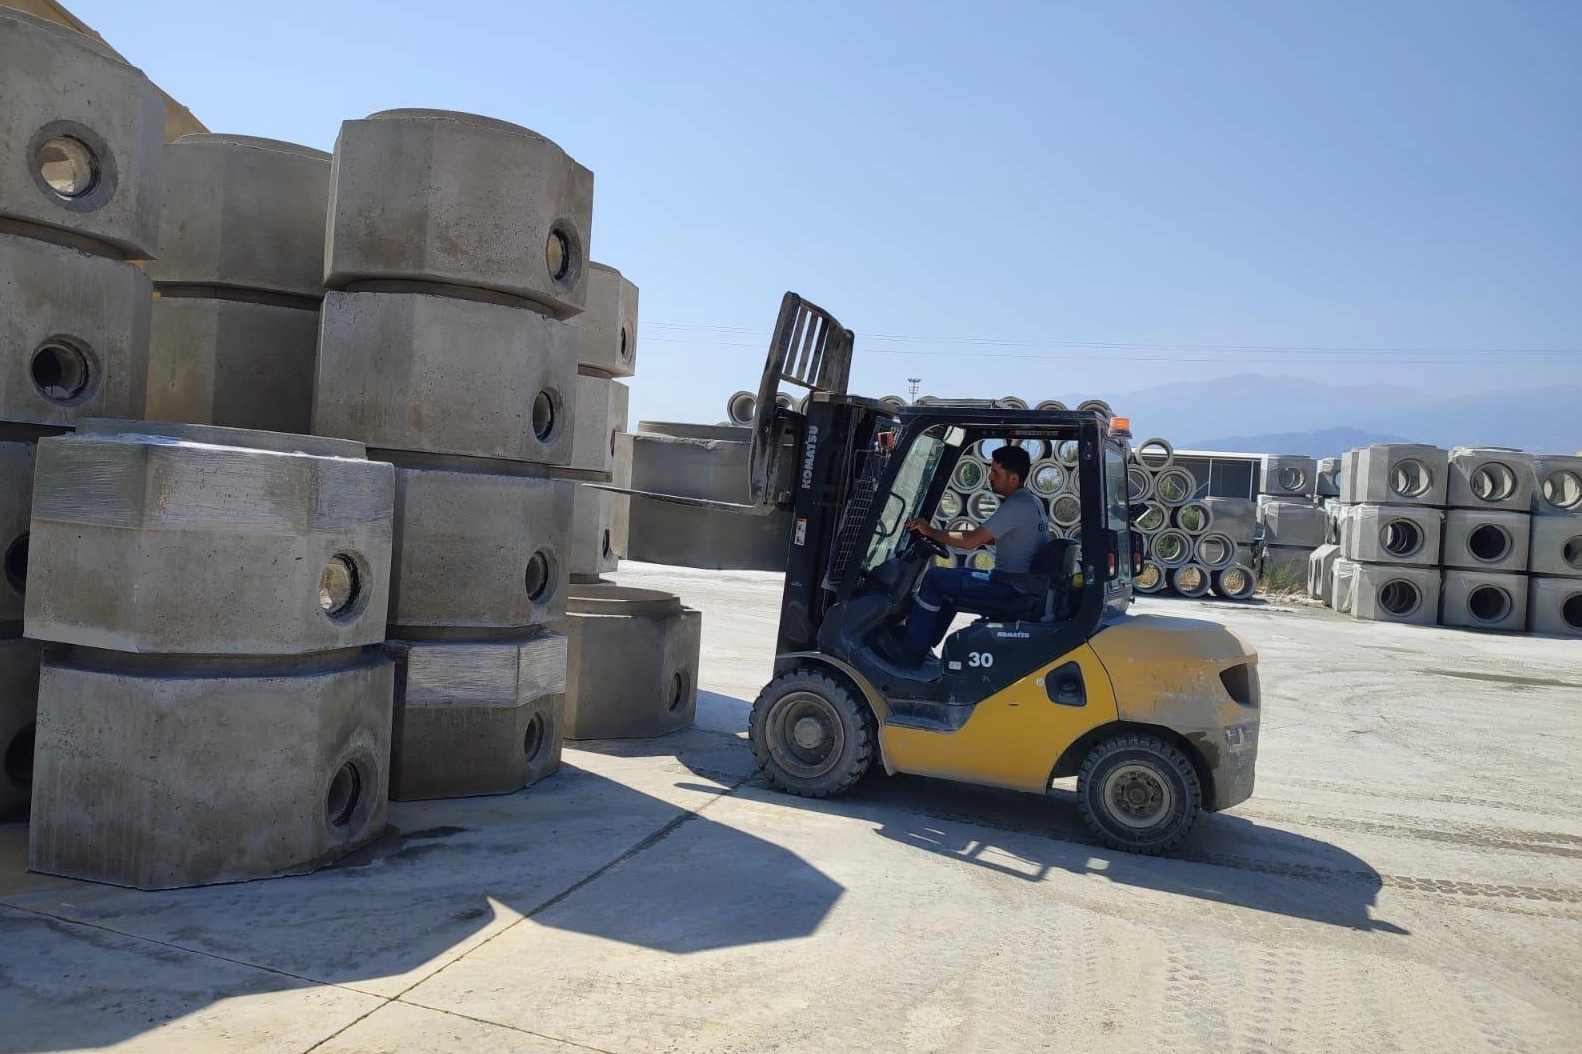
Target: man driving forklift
{"x":1017,"y":530}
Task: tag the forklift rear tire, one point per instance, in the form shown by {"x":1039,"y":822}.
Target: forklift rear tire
{"x":810,"y":735}
{"x":1138,"y":793}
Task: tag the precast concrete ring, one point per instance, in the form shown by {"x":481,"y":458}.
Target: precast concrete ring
{"x":1410,"y":478}
{"x":1488,"y":604}
{"x":1235,"y":582}
{"x":1194,"y":518}
{"x":1172,"y":548}
{"x":1139,"y":484}
{"x":1012,"y":402}
{"x":1402,"y":599}
{"x":894,"y":402}
{"x":1174,"y":486}
{"x":1150,"y":580}
{"x":1153,"y":519}
{"x":1095,"y":404}
{"x":1155,"y":454}
{"x":741,"y":408}
{"x":1051,"y":404}
{"x":982,"y":504}
{"x":1493,"y":481}
{"x":1048,"y":478}
{"x":950,"y":504}
{"x":1068,"y":452}
{"x":1036,"y":449}
{"x":1072,"y":531}
{"x":1191,"y":580}
{"x":1562,"y":488}
{"x":981,"y":560}
{"x":962,"y":523}
{"x":971,"y":474}
{"x":1215,"y":550}
{"x":1066,"y":510}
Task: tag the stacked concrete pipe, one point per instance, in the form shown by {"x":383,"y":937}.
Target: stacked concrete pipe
{"x":214,"y":706}
{"x":451,"y":357}
{"x":238,"y":283}
{"x":80,"y":185}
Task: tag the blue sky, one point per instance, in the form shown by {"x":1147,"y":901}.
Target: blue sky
{"x":1101,"y":196}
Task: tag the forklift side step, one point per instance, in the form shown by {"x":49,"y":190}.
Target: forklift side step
{"x":932,"y":717}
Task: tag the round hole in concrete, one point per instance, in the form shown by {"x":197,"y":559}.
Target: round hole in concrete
{"x":1488,"y":603}
{"x":680,"y":688}
{"x":68,"y":166}
{"x":1192,"y":518}
{"x":970,"y":474}
{"x":557,"y":254}
{"x":1493,"y":481}
{"x":1235,"y":581}
{"x":341,"y":587}
{"x":1401,"y":538}
{"x":534,"y":740}
{"x":1174,"y":485}
{"x":1571,"y":610}
{"x":950,"y":504}
{"x":626,"y":346}
{"x":1489,"y":543}
{"x":539,"y":579}
{"x":1149,"y":577}
{"x":982,"y":504}
{"x":1169,"y":547}
{"x":1048,"y":479}
{"x":1572,"y":553}
{"x":1562,"y":488}
{"x":346,"y":792}
{"x":63,"y":371}
{"x":1214,"y":549}
{"x":1410,"y":478}
{"x":1068,"y":452}
{"x":543,"y":416}
{"x":1066,"y":510}
{"x":1154,"y":455}
{"x":607,"y":548}
{"x":613,"y":433}
{"x":1400,"y":598}
{"x":16,"y":563}
{"x":1293,"y":479}
{"x":1153,"y":517}
{"x":19,"y":757}
{"x":1190,"y":579}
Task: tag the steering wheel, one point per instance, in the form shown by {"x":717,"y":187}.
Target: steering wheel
{"x":923,"y":544}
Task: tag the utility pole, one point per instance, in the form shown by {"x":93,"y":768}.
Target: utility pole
{"x":911,"y":388}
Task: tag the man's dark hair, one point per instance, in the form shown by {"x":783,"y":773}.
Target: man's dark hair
{"x":1014,"y":460}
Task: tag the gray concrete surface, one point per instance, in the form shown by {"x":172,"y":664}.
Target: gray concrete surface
{"x":56,"y":83}
{"x":475,"y":717}
{"x":430,"y":195}
{"x":1485,"y":600}
{"x":1288,"y":475}
{"x":73,"y":334}
{"x":1392,"y":534}
{"x":1555,"y":546}
{"x":591,"y":545}
{"x":1389,"y":593}
{"x":607,"y":327}
{"x":1487,"y":541}
{"x":208,"y":541}
{"x":1490,"y":479}
{"x":243,"y":212}
{"x":171,"y":775}
{"x":406,"y":371}
{"x":632,"y":662}
{"x":1554,"y":606}
{"x":1407,"y":877}
{"x":19,"y":660}
{"x":1292,"y":523}
{"x":601,"y":414}
{"x":232,"y":363}
{"x":1395,"y":474}
{"x":1558,"y":484}
{"x":16,"y":512}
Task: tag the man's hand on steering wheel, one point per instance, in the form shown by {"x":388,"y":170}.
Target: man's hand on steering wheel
{"x":921,"y":539}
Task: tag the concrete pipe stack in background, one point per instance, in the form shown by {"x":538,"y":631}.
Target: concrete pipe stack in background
{"x":214,"y":707}
{"x":1554,"y":554}
{"x":456,"y":250}
{"x":238,"y":283}
{"x":80,"y":184}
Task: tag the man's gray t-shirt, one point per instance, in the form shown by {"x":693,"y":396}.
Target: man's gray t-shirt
{"x":1019,"y":530}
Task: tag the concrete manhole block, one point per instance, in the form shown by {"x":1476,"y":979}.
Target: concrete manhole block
{"x":19,"y":662}
{"x":1321,"y":572}
{"x":73,"y":334}
{"x":1237,"y":517}
{"x":1396,"y":474}
{"x":435,"y":196}
{"x":243,"y":212}
{"x":1288,"y":475}
{"x":233,"y":363}
{"x":432,"y":374}
{"x":1556,"y":546}
{"x":476,"y":717}
{"x":1554,"y":606}
{"x":1484,"y":600}
{"x":593,"y":544}
{"x":1490,"y":479}
{"x":1343,"y":588}
{"x":181,"y":539}
{"x":1385,"y":593}
{"x":1487,"y":541}
{"x":478,"y":551}
{"x":83,"y":135}
{"x":607,"y":327}
{"x":1292,"y":523}
{"x":16,"y":510}
{"x":631,"y":663}
{"x":1392,"y":534}
{"x":1286,"y":565}
{"x":1558,"y":485}
{"x":1329,"y":472}
{"x":601,"y":414}
{"x":206,"y":776}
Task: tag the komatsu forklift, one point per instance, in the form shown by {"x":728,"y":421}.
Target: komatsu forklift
{"x":1157,"y":717}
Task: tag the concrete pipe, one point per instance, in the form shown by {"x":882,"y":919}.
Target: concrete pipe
{"x":1558,"y":489}
{"x":240,"y":212}
{"x":1139,"y":484}
{"x":1237,"y":517}
{"x":1073,"y":531}
{"x":234,"y":363}
{"x":1487,"y":541}
{"x":1098,"y":405}
{"x":1236,"y":582}
{"x":601,"y":414}
{"x":1066,"y":510}
{"x":1012,"y":402}
{"x":1392,"y":534}
{"x":1191,"y":580}
{"x":982,"y":504}
{"x":1155,"y":454}
{"x":784,"y":401}
{"x":19,"y":662}
{"x":980,"y":560}
{"x":741,"y":408}
{"x":1483,"y":600}
{"x":1214,"y":550}
{"x":1556,"y":546}
{"x":478,"y":551}
{"x":1194,"y":517}
{"x":1288,"y":475}
{"x":16,"y":510}
{"x":894,"y":402}
{"x":1150,"y":580}
{"x":1293,"y":523}
{"x":971,"y":474}
{"x":84,"y":134}
{"x":1069,"y":453}
{"x":1051,"y":404}
{"x":1172,"y":548}
{"x":1037,"y":449}
{"x":591,"y":545}
{"x":476,"y":717}
{"x":631,"y":663}
{"x":406,"y":181}
{"x":1321,"y":572}
{"x":1174,"y":486}
{"x":962,"y":523}
{"x":244,"y":552}
{"x":1554,"y":606}
{"x":951,"y":504}
{"x":1395,"y":474}
{"x":1490,"y":479}
{"x":802,"y":403}
{"x":1048,"y":478}
{"x":1153,"y":519}
{"x":607,"y":327}
{"x":73,"y":335}
{"x":433,"y":374}
{"x":304,"y":757}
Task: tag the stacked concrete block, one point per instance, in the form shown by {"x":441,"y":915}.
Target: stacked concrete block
{"x":1554,"y":555}
{"x":212,"y":708}
{"x":1291,"y":531}
{"x":81,"y":176}
{"x":1321,"y":573}
{"x":608,"y":341}
{"x":631,"y":664}
{"x":455,"y":253}
{"x":1288,"y":476}
{"x":1328,"y":485}
{"x":1392,"y":534}
{"x":1383,"y":593}
{"x":238,"y":283}
{"x":1396,"y":474}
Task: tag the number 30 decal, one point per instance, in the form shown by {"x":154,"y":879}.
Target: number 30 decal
{"x":980,"y":658}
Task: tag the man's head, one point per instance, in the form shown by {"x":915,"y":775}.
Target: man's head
{"x":1009,"y":471}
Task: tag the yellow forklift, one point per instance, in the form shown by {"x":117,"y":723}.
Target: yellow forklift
{"x":1157,"y":717}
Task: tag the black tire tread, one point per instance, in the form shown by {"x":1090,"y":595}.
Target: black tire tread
{"x":860,"y":725}
{"x":1170,"y":755}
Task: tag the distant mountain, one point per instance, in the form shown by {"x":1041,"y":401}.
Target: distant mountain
{"x":1331,"y":442}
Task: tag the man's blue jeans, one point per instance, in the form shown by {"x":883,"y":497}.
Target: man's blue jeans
{"x":942,"y":591}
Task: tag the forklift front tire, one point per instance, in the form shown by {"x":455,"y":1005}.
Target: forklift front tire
{"x":1138,"y":793}
{"x":810,"y":735}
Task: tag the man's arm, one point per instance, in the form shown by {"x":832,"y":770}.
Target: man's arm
{"x":976,"y":538}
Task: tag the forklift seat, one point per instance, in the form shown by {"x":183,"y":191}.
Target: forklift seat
{"x":1043,"y":592}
